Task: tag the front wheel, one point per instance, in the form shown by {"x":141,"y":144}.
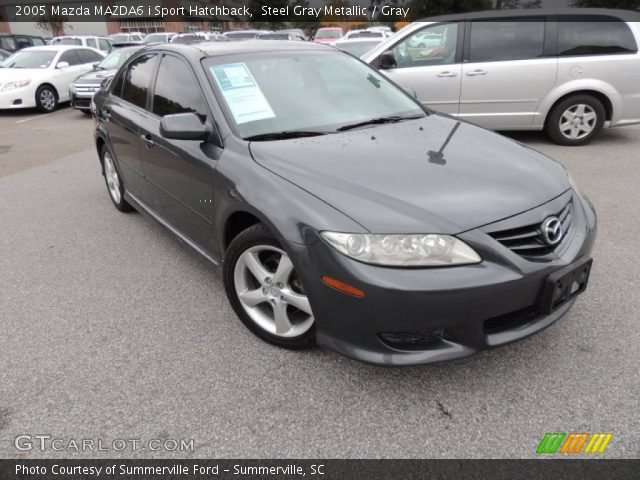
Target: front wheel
{"x":46,"y":99}
{"x":114,"y":182}
{"x":265,"y":291}
{"x":576,"y":120}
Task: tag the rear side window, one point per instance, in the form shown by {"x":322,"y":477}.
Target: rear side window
{"x":137,"y":79}
{"x":595,"y":38}
{"x":71,"y":57}
{"x":500,"y":41}
{"x":91,"y":42}
{"x":37,"y":42}
{"x":89,"y":56}
{"x":104,"y":45}
{"x":177,"y":90}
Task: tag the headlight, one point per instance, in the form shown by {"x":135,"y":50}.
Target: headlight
{"x":403,"y":250}
{"x":14,"y":85}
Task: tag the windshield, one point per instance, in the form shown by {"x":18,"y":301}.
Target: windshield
{"x":314,"y":91}
{"x":155,"y":37}
{"x":114,"y":60}
{"x":240,"y":35}
{"x":30,"y":59}
{"x":119,"y":38}
{"x":7,"y":43}
{"x":356,"y":48}
{"x":67,"y":41}
{"x":331,"y":33}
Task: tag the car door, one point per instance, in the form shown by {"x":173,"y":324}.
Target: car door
{"x":123,"y":112}
{"x":428,"y":61}
{"x":65,"y":75}
{"x":506,"y":72}
{"x":180,"y":172}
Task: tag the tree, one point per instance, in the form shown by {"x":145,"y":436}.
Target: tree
{"x":52,"y":23}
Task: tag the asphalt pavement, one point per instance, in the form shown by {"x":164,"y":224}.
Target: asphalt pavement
{"x":111,"y":329}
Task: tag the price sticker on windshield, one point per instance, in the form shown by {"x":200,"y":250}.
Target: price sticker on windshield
{"x":242,"y":93}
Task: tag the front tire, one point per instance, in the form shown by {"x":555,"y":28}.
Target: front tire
{"x":575,"y":120}
{"x":265,"y":291}
{"x":112,"y":178}
{"x":46,"y":99}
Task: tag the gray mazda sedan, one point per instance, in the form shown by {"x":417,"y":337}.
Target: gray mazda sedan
{"x":343,"y":212}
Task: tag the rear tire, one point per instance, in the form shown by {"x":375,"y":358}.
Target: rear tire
{"x":46,"y":99}
{"x":112,"y":178}
{"x":265,"y":291}
{"x":575,"y":120}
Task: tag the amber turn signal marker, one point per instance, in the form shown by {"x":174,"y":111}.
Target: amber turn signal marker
{"x":342,"y":287}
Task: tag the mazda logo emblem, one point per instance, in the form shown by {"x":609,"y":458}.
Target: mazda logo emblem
{"x":552,"y":231}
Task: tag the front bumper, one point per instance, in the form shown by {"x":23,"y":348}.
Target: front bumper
{"x":80,"y":101}
{"x":446,"y":313}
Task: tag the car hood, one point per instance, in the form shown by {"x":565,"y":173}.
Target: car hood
{"x":390,"y":178}
{"x":13,"y":74}
{"x":95,"y":76}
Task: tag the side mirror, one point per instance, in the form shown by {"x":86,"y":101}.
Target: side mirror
{"x":183,"y":126}
{"x":388,"y":60}
{"x":62,"y":65}
{"x":95,"y":65}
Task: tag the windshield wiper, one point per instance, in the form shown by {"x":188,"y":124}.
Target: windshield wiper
{"x":379,"y":121}
{"x":284,"y":135}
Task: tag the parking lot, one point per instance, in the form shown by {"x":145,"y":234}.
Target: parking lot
{"x":113,"y":329}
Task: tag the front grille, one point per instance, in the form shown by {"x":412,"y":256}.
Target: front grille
{"x":528,"y":241}
{"x":87,"y":88}
{"x":82,"y":103}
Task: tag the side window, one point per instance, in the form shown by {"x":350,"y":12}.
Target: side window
{"x":103,"y":44}
{"x":37,"y":42}
{"x":137,"y":79}
{"x":23,"y":42}
{"x":89,"y":56}
{"x":116,"y":88}
{"x":595,"y":38}
{"x":71,"y":57}
{"x":177,"y":90}
{"x":500,"y":41}
{"x":434,"y":45}
{"x":91,"y":42}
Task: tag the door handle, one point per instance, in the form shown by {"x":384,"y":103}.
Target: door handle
{"x":447,"y":74}
{"x":476,"y":73}
{"x":146,"y":139}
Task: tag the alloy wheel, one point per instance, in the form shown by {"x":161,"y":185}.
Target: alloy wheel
{"x":47,"y":99}
{"x":113,"y":180}
{"x":271,"y":293}
{"x":578,"y":121}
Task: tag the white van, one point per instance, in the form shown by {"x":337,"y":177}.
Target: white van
{"x":569,"y":72}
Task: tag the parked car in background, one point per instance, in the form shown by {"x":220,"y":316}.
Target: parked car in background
{"x":83,"y":88}
{"x":244,"y":34}
{"x":358,"y":46}
{"x":160,"y":37}
{"x":40,"y":76}
{"x":280,"y":36}
{"x":127,"y":37}
{"x":99,"y":43}
{"x":563,"y":72}
{"x":186,"y":38}
{"x":353,"y":217}
{"x":298,"y":31}
{"x":3,"y":55}
{"x":351,"y":34}
{"x":14,"y":42}
{"x":328,"y":34}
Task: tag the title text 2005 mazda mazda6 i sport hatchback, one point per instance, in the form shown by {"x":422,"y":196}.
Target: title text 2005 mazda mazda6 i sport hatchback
{"x":344,"y":213}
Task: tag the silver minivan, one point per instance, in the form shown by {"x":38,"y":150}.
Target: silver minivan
{"x":568,"y":72}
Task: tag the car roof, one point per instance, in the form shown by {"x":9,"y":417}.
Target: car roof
{"x":211,"y":49}
{"x":6,"y":34}
{"x":625,"y":15}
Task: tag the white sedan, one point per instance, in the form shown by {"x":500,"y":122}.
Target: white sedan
{"x":40,"y":76}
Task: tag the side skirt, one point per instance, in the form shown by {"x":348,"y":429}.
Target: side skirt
{"x":145,"y":209}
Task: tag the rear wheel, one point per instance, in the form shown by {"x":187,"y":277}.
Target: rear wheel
{"x":576,"y":120}
{"x":46,"y":99}
{"x":265,"y":291}
{"x":114,"y":182}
